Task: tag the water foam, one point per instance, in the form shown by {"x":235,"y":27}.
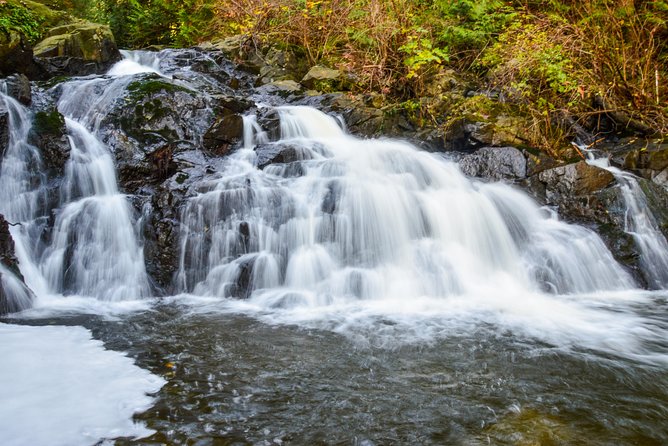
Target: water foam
{"x":60,"y":387}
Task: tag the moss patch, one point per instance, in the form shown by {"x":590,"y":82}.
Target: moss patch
{"x":143,"y":88}
{"x":49,"y":122}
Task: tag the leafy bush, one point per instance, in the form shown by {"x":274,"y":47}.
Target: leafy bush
{"x":16,"y":17}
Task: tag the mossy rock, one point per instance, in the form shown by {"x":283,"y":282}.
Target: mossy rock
{"x":48,"y":122}
{"x":89,"y":41}
{"x":153,"y":85}
{"x":325,"y":79}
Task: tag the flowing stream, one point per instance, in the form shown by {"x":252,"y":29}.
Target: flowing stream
{"x":331,"y":290}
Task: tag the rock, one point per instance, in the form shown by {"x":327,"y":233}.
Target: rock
{"x":287,"y":85}
{"x":225,"y":132}
{"x":49,"y":134}
{"x":280,"y":65}
{"x":4,"y":129}
{"x":18,"y":87}
{"x":323,"y":79}
{"x":587,"y":195}
{"x":157,"y":119}
{"x":573,"y":180}
{"x":495,"y":163}
{"x":77,"y":49}
{"x":16,"y":56}
{"x":14,"y":294}
{"x":650,"y":161}
{"x":279,"y":153}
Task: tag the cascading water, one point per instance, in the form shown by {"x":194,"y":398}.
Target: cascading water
{"x":93,"y":249}
{"x":23,"y":201}
{"x":350,"y":219}
{"x":641,"y":224}
{"x":432,"y":296}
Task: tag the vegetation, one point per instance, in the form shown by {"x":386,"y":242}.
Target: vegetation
{"x":16,"y":17}
{"x":598,"y":64}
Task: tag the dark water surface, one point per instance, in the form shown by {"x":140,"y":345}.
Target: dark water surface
{"x":236,"y":380}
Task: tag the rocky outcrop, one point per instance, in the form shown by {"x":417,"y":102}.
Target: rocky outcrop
{"x":14,"y":294}
{"x":495,"y":163}
{"x":78,"y":48}
{"x":16,"y":56}
{"x":18,"y":87}
{"x":225,"y":132}
{"x":157,"y":119}
{"x":49,"y":134}
{"x":645,"y":158}
{"x":324,"y":79}
{"x":590,"y":196}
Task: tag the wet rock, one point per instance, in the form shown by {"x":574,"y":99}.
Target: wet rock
{"x":157,"y":119}
{"x":590,"y":196}
{"x":495,"y":163}
{"x":18,"y":87}
{"x":49,"y":134}
{"x":4,"y":129}
{"x":574,"y":179}
{"x":225,"y":132}
{"x":279,"y":153}
{"x":14,"y":294}
{"x":241,"y":288}
{"x":160,"y":231}
{"x":77,"y":49}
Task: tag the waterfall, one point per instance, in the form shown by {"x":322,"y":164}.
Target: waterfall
{"x":93,"y":249}
{"x":641,"y":224}
{"x":23,"y":200}
{"x":135,"y":62}
{"x":343,"y":219}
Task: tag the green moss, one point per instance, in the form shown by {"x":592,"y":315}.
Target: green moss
{"x":48,"y":84}
{"x":181,"y":178}
{"x":16,"y":17}
{"x":140,"y":89}
{"x":48,"y":122}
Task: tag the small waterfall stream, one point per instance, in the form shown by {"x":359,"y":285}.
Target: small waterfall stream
{"x":641,"y":225}
{"x":93,"y":249}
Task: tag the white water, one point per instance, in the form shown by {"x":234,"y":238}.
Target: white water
{"x":641,"y":224}
{"x":135,"y":62}
{"x":61,"y":388}
{"x":93,"y":250}
{"x":374,"y":236}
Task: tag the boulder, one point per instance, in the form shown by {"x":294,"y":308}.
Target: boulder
{"x":18,"y":87}
{"x":14,"y":294}
{"x":77,"y":49}
{"x":4,"y":129}
{"x":495,"y":163}
{"x":574,"y":180}
{"x":590,"y":196}
{"x":323,"y":79}
{"x":16,"y":56}
{"x":279,"y":154}
{"x":650,"y":161}
{"x":157,"y":119}
{"x":225,"y":132}
{"x":49,"y":134}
